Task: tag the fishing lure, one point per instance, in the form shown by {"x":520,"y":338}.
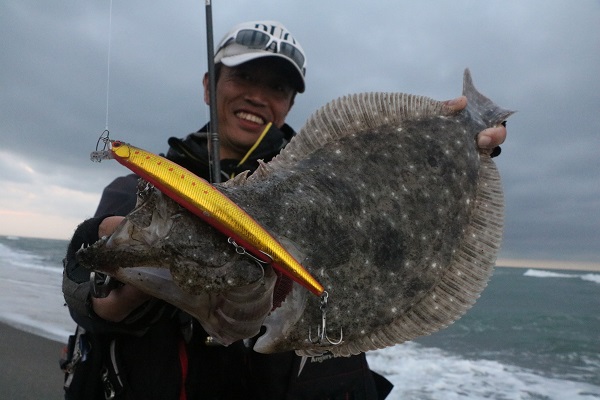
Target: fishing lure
{"x":204,"y":200}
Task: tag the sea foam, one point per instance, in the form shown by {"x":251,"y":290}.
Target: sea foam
{"x":536,"y":273}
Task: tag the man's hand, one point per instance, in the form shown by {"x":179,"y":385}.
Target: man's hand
{"x":109,"y":225}
{"x":122,"y":301}
{"x":487,"y":139}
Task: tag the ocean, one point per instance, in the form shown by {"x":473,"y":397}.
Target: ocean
{"x":533,"y":334}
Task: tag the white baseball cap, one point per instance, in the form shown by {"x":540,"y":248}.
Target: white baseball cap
{"x":252,"y":40}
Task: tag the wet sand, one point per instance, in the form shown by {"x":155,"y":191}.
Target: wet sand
{"x":29,"y":368}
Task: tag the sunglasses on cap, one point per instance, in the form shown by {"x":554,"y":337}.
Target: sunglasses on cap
{"x":257,"y":39}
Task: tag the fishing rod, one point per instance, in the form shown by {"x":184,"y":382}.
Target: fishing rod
{"x":213,"y":127}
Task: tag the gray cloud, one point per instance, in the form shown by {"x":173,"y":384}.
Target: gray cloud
{"x":538,"y":57}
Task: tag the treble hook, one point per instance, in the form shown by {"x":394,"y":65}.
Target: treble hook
{"x":322,"y":336}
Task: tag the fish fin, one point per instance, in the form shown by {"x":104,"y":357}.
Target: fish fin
{"x":351,"y":115}
{"x":263,"y":168}
{"x":245,"y":177}
{"x":302,"y":364}
{"x":239,"y":180}
{"x":481,"y":106}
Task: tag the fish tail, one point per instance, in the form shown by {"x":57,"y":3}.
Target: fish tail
{"x":482,"y":107}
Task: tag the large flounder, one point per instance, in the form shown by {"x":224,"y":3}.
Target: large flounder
{"x":383,"y":197}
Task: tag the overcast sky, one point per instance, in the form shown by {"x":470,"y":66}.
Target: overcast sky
{"x":541,"y":58}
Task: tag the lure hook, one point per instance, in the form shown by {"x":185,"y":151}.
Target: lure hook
{"x":242,"y":251}
{"x":322,"y":336}
{"x":105,"y":138}
{"x":104,"y":153}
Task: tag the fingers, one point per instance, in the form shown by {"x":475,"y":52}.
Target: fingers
{"x":109,"y":225}
{"x":491,"y":137}
{"x":455,"y":105}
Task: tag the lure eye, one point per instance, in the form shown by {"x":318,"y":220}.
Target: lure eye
{"x":116,"y":143}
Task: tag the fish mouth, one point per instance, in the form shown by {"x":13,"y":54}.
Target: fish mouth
{"x":288,"y":304}
{"x":281,"y":320}
{"x":250,"y":117}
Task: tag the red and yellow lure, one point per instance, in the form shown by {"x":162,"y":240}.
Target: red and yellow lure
{"x":204,"y":200}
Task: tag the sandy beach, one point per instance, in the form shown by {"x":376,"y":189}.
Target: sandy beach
{"x":29,"y":368}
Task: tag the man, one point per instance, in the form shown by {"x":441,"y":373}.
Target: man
{"x":147,"y":349}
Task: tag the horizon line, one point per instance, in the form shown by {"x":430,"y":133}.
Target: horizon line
{"x":500,"y":262}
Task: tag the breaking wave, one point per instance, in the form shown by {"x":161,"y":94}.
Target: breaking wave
{"x":536,"y":273}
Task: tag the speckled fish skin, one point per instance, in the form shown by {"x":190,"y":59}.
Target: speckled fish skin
{"x":383,"y":197}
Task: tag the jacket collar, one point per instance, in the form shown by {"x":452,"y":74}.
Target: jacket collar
{"x":192,"y":152}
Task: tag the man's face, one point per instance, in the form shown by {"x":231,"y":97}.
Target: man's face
{"x":250,"y":96}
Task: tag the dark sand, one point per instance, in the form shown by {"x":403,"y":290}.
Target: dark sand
{"x":29,"y":366}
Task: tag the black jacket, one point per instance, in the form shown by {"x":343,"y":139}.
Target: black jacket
{"x":150,"y":348}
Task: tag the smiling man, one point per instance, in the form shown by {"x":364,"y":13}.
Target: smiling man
{"x":140,"y":347}
{"x":249,"y":97}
